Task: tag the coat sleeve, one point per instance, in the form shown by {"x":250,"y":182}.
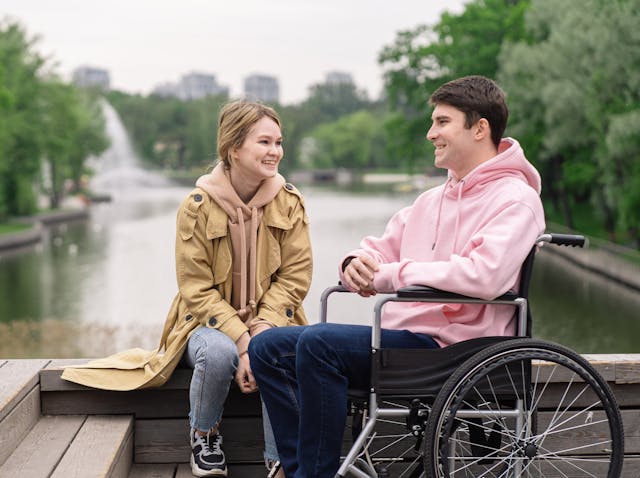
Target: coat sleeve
{"x":290,"y":283}
{"x":194,"y":269}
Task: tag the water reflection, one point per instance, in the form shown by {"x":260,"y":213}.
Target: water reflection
{"x":581,"y":310}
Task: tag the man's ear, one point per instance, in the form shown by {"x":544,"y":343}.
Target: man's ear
{"x":482,"y":129}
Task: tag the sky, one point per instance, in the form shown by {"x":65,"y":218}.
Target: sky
{"x":143,"y":43}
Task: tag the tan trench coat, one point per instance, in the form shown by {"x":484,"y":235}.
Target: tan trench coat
{"x":204,"y":274}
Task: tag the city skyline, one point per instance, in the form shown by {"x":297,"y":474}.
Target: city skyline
{"x":145,"y":43}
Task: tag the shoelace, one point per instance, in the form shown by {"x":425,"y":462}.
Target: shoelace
{"x":213,"y":443}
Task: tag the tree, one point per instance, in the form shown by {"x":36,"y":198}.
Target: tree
{"x":170,"y":133}
{"x":20,"y":120}
{"x":325,"y":104}
{"x":44,"y":124}
{"x":345,"y":143}
{"x":571,"y":88}
{"x":422,"y":59}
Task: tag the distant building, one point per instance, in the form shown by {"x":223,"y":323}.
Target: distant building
{"x":87,"y":76}
{"x":192,"y":86}
{"x":166,"y":90}
{"x":338,"y":78}
{"x":262,"y":88}
{"x":198,"y":85}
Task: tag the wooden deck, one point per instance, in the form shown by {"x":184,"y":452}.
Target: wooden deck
{"x":53,"y":428}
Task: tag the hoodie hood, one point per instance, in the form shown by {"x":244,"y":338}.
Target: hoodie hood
{"x":218,"y":186}
{"x":509,"y":162}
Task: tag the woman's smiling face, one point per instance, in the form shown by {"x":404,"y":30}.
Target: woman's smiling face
{"x":258,"y":157}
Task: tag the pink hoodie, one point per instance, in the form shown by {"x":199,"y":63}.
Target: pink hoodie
{"x":470,"y":237}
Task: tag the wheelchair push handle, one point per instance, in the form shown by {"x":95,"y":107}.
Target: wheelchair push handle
{"x":573,"y":240}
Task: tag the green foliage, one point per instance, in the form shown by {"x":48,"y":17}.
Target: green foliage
{"x":574,"y":94}
{"x":347,"y":142}
{"x":422,"y":59}
{"x":20,"y":113}
{"x":326,"y":104}
{"x":170,"y":133}
{"x":42,"y":122}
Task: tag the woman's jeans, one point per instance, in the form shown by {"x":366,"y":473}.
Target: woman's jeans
{"x":214,"y":359}
{"x":303,"y":374}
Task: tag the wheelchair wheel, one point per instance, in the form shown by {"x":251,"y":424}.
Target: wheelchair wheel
{"x":524,"y":408}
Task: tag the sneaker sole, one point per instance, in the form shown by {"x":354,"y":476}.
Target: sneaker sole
{"x":199,"y":472}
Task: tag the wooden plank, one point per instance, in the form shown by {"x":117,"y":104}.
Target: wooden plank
{"x":17,"y":378}
{"x":628,"y":368}
{"x":235,"y":471}
{"x":50,"y":377}
{"x":627,"y":395}
{"x":167,"y":441}
{"x":153,"y":470}
{"x":102,"y":448}
{"x":147,"y":403}
{"x":552,"y":373}
{"x":44,"y":446}
{"x":16,"y":425}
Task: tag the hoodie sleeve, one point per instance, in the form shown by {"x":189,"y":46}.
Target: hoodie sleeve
{"x":384,"y":249}
{"x":495,"y":254}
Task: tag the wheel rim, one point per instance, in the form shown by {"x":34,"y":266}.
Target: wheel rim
{"x":569,"y":440}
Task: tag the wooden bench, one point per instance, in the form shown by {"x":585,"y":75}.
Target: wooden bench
{"x":51,"y":427}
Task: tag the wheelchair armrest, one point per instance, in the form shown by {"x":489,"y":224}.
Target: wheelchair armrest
{"x":425,"y":292}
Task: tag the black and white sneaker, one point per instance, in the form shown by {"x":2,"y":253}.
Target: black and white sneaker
{"x":207,"y":457}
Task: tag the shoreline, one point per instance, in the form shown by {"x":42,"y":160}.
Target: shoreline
{"x":33,"y":235}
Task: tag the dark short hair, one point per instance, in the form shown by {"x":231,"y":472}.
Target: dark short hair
{"x":477,"y":97}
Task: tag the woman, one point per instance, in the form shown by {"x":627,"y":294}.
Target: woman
{"x":243,"y":265}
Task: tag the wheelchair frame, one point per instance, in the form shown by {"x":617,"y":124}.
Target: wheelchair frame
{"x":440,"y":465}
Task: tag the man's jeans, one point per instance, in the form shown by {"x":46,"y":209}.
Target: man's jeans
{"x":303,"y":374}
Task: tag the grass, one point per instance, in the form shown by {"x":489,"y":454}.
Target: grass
{"x":13,"y":227}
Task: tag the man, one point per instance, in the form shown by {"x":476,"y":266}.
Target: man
{"x":469,"y":235}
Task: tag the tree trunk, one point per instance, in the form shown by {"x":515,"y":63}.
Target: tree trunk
{"x":563,"y":197}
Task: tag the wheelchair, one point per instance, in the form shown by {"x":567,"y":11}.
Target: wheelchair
{"x":485,"y":407}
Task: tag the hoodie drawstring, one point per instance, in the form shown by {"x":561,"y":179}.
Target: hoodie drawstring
{"x":444,"y":191}
{"x":460,"y":186}
{"x":455,"y":231}
{"x":253,"y":234}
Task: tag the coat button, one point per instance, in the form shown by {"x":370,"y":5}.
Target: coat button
{"x":197,"y":197}
{"x":289,"y":186}
{"x":289,"y":313}
{"x":188,"y":317}
{"x":213,"y":321}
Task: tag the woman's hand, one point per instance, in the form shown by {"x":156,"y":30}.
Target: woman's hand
{"x":244,"y":376}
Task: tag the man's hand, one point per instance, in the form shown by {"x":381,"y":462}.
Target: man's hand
{"x":359,"y":273}
{"x":244,"y":376}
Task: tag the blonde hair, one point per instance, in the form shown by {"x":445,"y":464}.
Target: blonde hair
{"x":235,"y":122}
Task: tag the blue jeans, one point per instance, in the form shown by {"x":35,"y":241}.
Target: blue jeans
{"x":303,"y":374}
{"x":214,"y":359}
